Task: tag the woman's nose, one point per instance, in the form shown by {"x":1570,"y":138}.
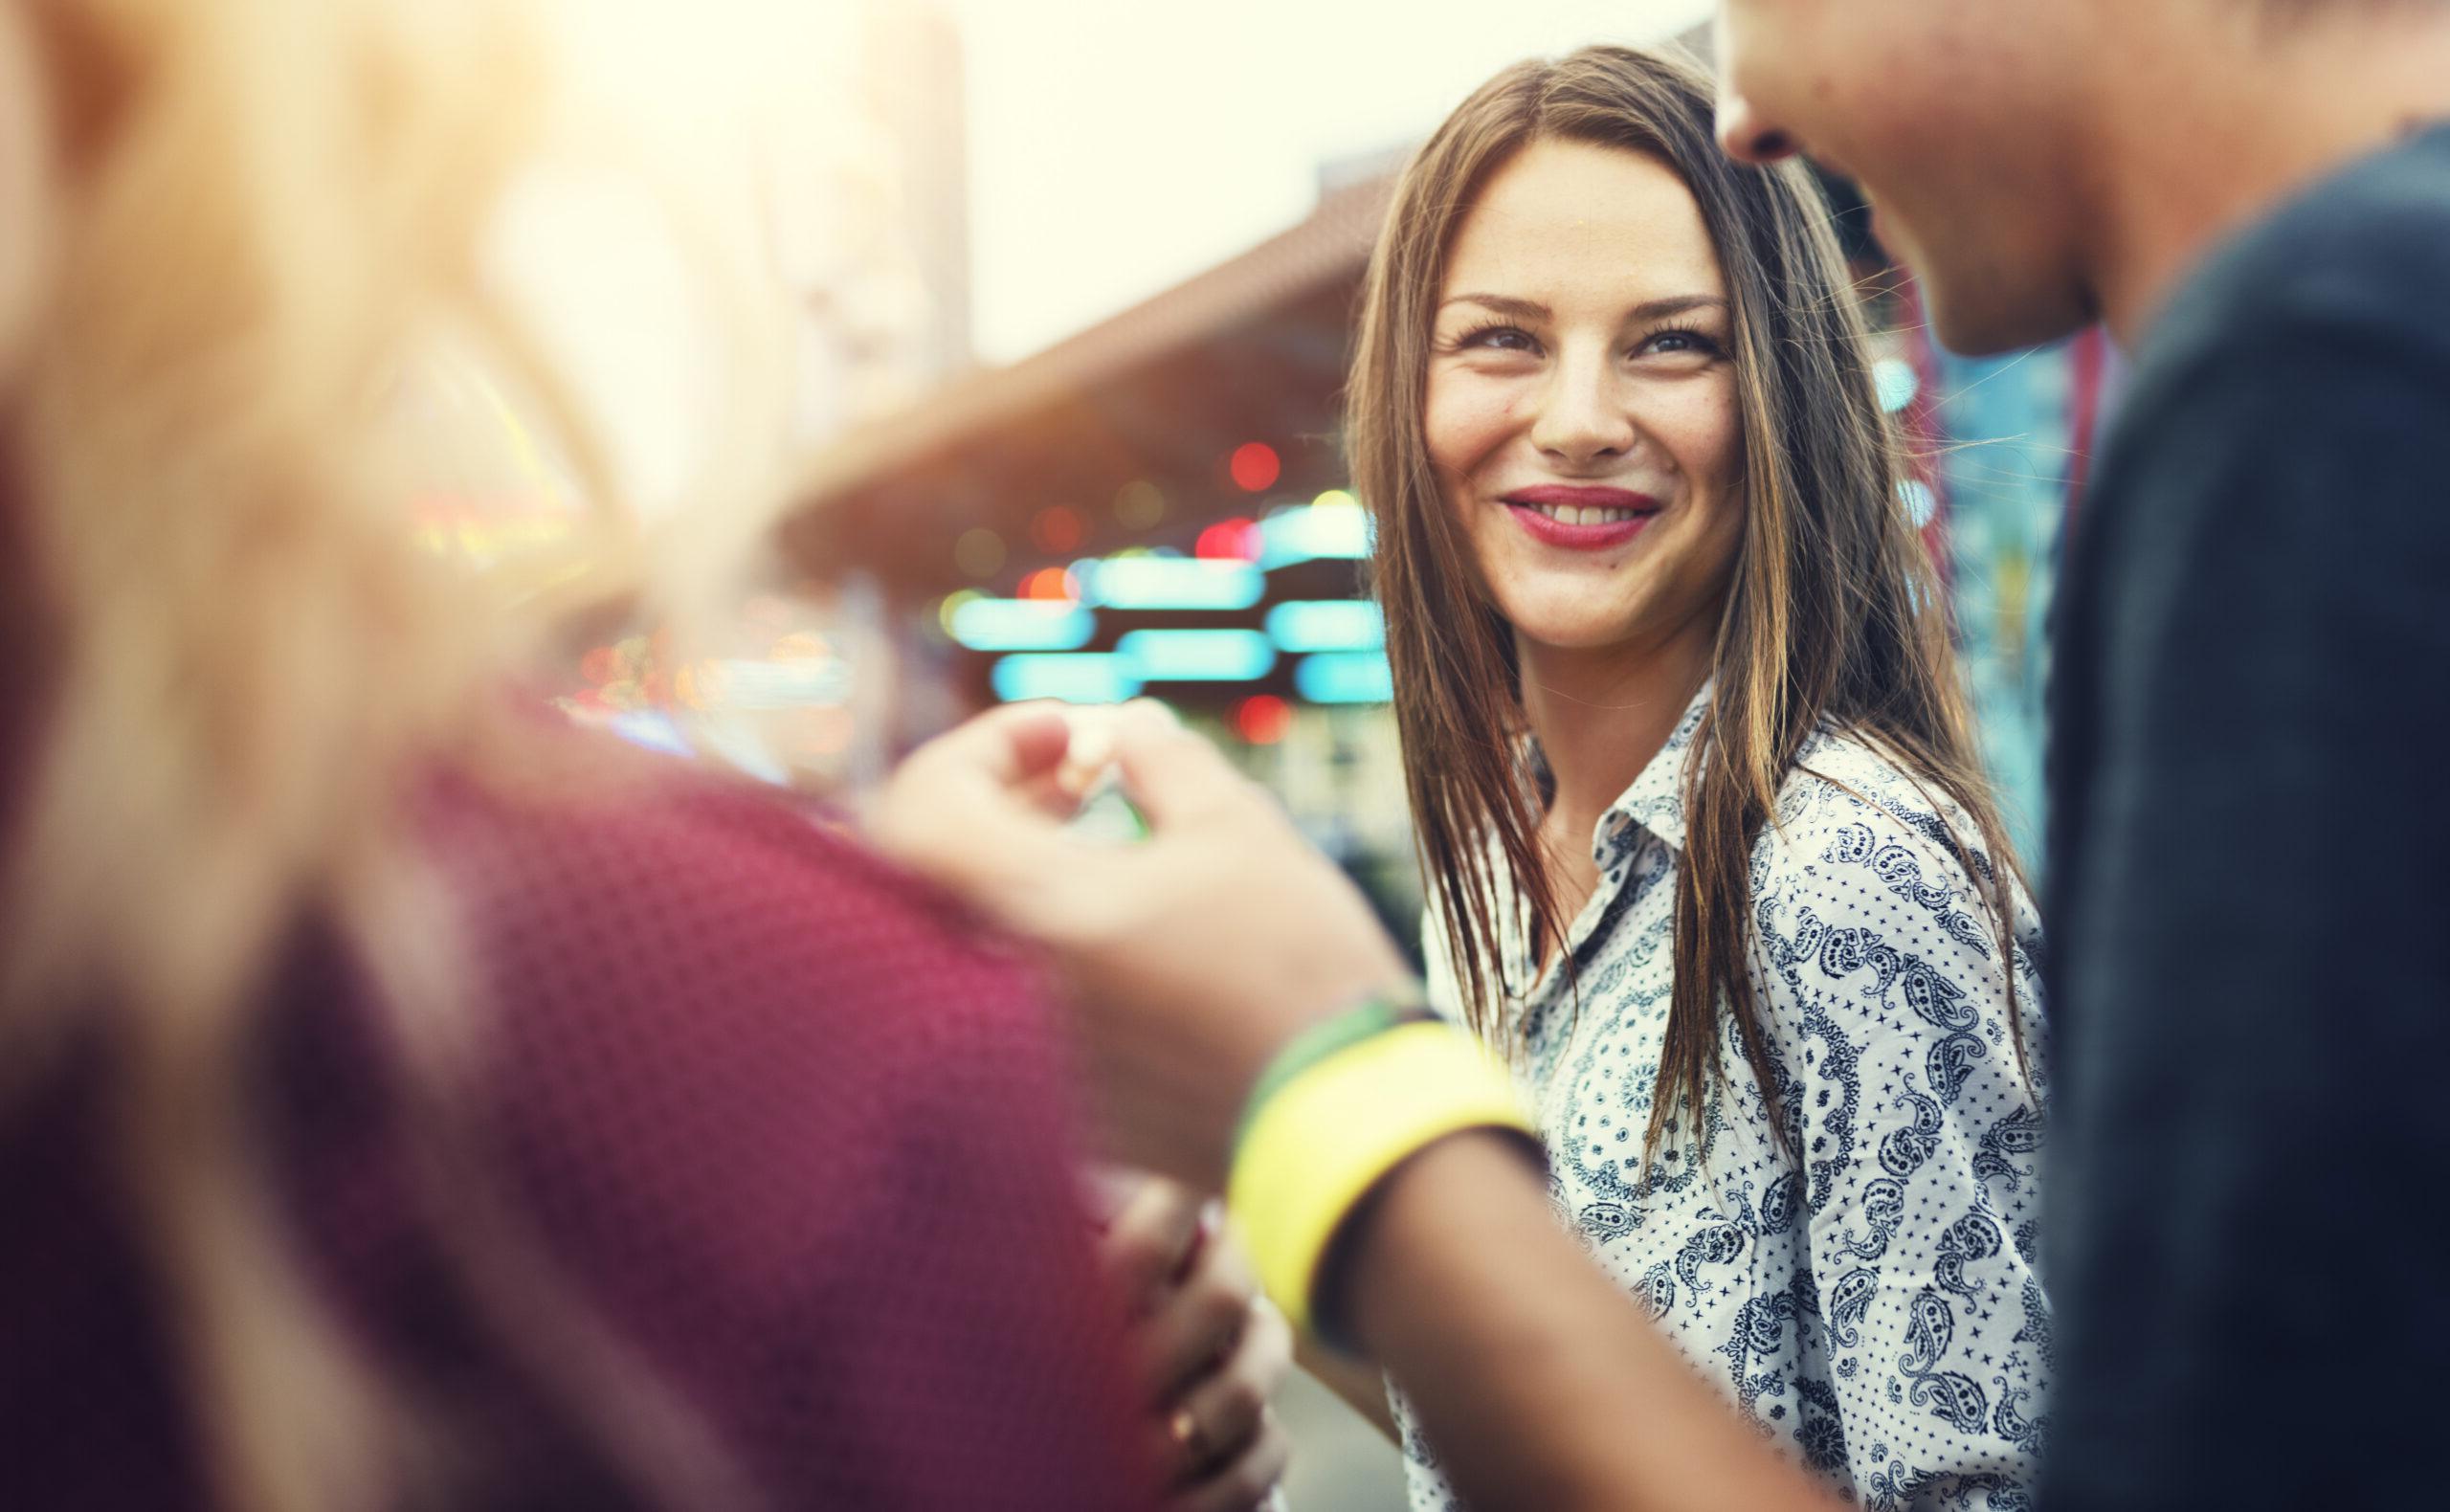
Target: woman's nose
{"x":1582,"y":416}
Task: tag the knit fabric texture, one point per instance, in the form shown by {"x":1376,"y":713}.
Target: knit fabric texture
{"x":756,"y":1134}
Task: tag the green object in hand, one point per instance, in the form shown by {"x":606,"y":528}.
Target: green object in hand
{"x":1106,"y":813}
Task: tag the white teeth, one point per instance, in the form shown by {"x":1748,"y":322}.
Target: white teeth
{"x":1570,"y":515}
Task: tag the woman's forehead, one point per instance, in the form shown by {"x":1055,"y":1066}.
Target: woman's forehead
{"x":1573,"y":221}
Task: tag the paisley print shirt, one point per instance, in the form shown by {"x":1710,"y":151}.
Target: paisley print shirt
{"x":1870,"y":1299}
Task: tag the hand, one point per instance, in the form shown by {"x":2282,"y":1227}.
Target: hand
{"x":1191,"y":955}
{"x":1209,"y":1353}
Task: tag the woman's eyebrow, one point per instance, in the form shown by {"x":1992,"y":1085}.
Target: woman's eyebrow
{"x":1509,"y":305}
{"x":1674,"y":304}
{"x":1504,"y":304}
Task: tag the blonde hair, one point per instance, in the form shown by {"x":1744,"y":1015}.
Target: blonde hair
{"x":264,"y":207}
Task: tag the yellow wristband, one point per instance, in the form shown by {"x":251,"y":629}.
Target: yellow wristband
{"x":1324,"y":1139}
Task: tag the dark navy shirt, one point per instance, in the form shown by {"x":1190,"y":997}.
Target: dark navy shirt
{"x":2249,"y":908}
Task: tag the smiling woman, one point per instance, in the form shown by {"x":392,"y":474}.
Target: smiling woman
{"x":1709,"y":854}
{"x":1611,"y":305}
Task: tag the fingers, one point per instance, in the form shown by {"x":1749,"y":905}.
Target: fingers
{"x":1222,"y":1437}
{"x":1205,"y":1322}
{"x":1145,"y":1248}
{"x":1172,"y":774}
{"x":1210,"y":1355}
{"x":1093,"y":737}
{"x":1004,"y":745}
{"x":1228,"y":1402}
{"x":985,"y":772}
{"x":1246,"y":1483}
{"x":980,"y":810}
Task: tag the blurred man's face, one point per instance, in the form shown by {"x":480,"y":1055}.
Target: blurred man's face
{"x":1960,"y":119}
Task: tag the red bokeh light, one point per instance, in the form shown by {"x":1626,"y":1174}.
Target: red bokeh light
{"x":600,"y":666}
{"x":1050,"y":584}
{"x":1229,"y":541}
{"x":1254,"y":466}
{"x":1262,"y":719}
{"x":1059,"y":530}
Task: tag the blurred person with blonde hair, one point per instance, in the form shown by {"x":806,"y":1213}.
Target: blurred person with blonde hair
{"x":409,"y":1100}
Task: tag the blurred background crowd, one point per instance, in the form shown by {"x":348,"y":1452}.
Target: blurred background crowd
{"x":1071,"y":288}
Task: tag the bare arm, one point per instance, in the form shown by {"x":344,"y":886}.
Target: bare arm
{"x":1540,"y":1382}
{"x":1193,"y":956}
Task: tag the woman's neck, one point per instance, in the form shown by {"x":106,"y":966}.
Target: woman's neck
{"x":1600,"y":716}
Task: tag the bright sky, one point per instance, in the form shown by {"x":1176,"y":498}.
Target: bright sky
{"x":1118,"y":147}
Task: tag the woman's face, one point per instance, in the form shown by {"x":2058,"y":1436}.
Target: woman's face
{"x":1582,"y":412}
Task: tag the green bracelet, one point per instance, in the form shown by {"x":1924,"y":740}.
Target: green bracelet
{"x":1372,"y":1015}
{"x":1328,"y":1137}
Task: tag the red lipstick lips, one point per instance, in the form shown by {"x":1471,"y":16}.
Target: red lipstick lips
{"x":1581,"y":519}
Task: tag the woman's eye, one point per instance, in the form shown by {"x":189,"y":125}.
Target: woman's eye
{"x":1497,"y":339}
{"x":1677,"y":344}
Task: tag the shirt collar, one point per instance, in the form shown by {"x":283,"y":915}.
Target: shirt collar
{"x":1654,"y":800}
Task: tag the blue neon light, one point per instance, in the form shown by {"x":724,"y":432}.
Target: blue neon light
{"x":1344,"y":677}
{"x":1071,"y":677}
{"x":1895,"y":381}
{"x":1174,"y":583}
{"x":1333,"y":624}
{"x":749,"y":683}
{"x":1198,"y":655}
{"x":1921,"y":503}
{"x":1022,"y":624}
{"x":1308,"y":533}
{"x":654,"y":729}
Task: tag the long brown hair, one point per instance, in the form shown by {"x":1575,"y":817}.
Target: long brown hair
{"x":1833,"y":617}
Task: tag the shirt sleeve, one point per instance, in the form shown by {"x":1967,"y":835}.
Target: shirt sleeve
{"x":2249,"y":909}
{"x":1915,"y":1123}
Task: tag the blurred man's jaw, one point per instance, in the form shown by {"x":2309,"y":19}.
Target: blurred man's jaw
{"x":2043,"y":166}
{"x":1948,"y":113}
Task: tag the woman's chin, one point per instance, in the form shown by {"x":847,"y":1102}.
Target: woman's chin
{"x":1577,"y":638}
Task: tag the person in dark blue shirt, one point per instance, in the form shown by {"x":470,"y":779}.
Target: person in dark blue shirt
{"x":2250,"y":688}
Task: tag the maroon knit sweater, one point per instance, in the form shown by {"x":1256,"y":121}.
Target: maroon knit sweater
{"x":775,"y":1122}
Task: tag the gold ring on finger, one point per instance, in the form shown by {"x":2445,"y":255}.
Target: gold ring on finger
{"x":1191,"y":1439}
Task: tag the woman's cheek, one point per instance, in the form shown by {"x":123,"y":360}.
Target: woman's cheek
{"x":1700,"y":430}
{"x":1465,"y":420}
{"x":1718,"y":429}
